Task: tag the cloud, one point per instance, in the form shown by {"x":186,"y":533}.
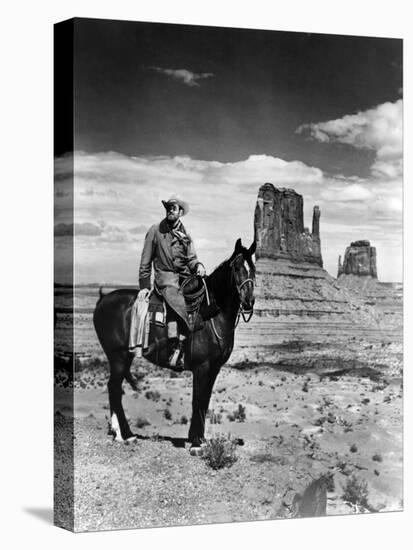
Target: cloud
{"x":121,"y":197}
{"x":139,"y":229}
{"x":185,"y":76}
{"x":70,"y":229}
{"x":102,"y":233}
{"x":347,"y":193}
{"x":371,"y":207}
{"x":378,"y":129}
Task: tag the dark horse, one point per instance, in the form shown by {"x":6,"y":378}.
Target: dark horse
{"x":231,"y":287}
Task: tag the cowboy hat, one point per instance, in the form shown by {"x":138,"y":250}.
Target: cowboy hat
{"x":174,"y":199}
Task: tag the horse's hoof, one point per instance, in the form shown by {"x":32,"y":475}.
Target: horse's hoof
{"x":126,"y":441}
{"x":195,"y":451}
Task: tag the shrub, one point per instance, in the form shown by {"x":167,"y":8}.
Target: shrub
{"x":319,"y":421}
{"x":167,"y":414}
{"x":239,"y":415}
{"x":356,"y":492}
{"x":142,"y":422}
{"x":139,"y":376}
{"x":353,"y":448}
{"x":377,"y":458}
{"x":331,"y":418}
{"x":153,"y":395}
{"x":219,"y":452}
{"x":214,"y":418}
{"x":183,"y":419}
{"x":343,"y":467}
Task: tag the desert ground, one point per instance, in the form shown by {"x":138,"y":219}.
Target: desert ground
{"x":301,"y":400}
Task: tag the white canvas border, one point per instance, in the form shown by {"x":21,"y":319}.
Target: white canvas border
{"x":28,"y":268}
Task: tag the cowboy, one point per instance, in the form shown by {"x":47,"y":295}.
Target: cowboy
{"x":170,"y":249}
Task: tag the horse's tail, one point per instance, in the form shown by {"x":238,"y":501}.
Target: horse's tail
{"x":101,"y":295}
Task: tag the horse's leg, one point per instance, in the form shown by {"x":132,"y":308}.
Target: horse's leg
{"x":203,"y":380}
{"x":120,"y":363}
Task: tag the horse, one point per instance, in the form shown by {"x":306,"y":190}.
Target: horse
{"x":231,"y":287}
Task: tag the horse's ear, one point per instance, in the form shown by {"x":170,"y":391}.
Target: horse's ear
{"x":252,"y":248}
{"x":238,"y":245}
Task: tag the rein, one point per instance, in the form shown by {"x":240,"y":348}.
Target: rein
{"x":193,"y":299}
{"x":212,"y":320}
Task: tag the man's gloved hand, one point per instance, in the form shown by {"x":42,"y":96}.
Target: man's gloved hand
{"x":200,"y":270}
{"x":143,"y":294}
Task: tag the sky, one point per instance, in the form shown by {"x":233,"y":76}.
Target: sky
{"x":212,"y":114}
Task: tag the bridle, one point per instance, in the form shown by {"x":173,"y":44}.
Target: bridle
{"x":245,"y":313}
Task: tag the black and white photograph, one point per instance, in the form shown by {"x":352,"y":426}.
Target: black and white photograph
{"x":228,"y":280}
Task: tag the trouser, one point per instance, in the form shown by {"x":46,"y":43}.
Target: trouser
{"x":176,"y":329}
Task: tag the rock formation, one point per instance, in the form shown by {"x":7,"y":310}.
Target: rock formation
{"x":295,"y":297}
{"x":290,"y":279}
{"x":359,"y":259}
{"x":358,"y":274}
{"x":279,"y":227}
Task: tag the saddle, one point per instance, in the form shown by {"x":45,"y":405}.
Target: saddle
{"x":200,"y":308}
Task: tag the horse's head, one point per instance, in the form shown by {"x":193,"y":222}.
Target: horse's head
{"x":243,"y":270}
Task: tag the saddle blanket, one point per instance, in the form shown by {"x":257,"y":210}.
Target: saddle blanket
{"x":145,"y":311}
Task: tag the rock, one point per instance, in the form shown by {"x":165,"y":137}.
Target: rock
{"x":305,"y":496}
{"x":359,"y":259}
{"x":313,"y":501}
{"x":279,"y":226}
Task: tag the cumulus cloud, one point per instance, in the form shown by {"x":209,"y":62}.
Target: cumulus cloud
{"x":346,"y":193}
{"x":378,"y":129}
{"x":117,"y":197}
{"x":370,"y":207}
{"x":121,"y":196}
{"x":185,"y":76}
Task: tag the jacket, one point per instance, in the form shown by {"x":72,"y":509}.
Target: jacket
{"x":173,"y":259}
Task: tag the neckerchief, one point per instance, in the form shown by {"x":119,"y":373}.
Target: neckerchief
{"x":179,"y":232}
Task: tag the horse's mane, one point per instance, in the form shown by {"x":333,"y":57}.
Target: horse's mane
{"x":218,"y":280}
{"x":218,"y":272}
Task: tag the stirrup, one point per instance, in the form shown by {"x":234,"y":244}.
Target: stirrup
{"x":173,"y":358}
{"x":176,"y":360}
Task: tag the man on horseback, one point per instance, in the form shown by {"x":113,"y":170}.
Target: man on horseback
{"x":170,"y":249}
